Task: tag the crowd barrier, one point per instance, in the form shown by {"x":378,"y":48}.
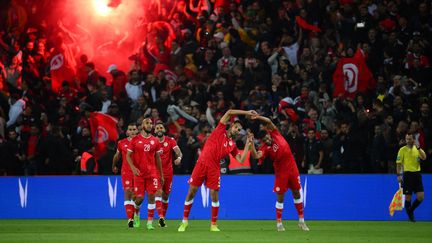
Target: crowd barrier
{"x":326,"y":197}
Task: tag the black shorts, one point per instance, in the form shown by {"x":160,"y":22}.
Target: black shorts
{"x":412,"y":182}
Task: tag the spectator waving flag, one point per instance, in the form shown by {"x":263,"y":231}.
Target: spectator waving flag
{"x":352,"y":75}
{"x":62,"y":66}
{"x":103,"y":129}
{"x":305,"y":25}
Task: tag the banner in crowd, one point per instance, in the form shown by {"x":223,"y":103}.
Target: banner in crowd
{"x":103,"y":129}
{"x":352,"y":75}
{"x":326,"y":197}
{"x":62,"y":67}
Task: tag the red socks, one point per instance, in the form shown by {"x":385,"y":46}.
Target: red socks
{"x":214,"y":212}
{"x":298,"y":203}
{"x":129,"y":207}
{"x":164,"y":206}
{"x":187,"y":208}
{"x":150,"y":212}
{"x":279,"y":208}
{"x":159,"y":207}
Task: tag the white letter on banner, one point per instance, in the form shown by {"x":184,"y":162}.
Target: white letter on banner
{"x":112,"y":193}
{"x":23,"y":193}
{"x":205,"y":193}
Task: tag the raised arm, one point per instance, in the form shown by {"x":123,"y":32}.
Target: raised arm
{"x":241,"y":158}
{"x":254,"y":153}
{"x":227,"y":116}
{"x":269,"y":124}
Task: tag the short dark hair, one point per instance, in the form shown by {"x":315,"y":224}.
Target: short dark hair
{"x":237,"y":121}
{"x":261,"y":134}
{"x":132,"y":124}
{"x":159,"y":122}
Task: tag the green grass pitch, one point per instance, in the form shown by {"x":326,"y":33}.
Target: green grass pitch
{"x":232,"y":231}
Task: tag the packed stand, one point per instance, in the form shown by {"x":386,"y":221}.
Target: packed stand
{"x":275,"y":57}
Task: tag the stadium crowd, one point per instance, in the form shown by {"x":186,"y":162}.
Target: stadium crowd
{"x":275,"y":57}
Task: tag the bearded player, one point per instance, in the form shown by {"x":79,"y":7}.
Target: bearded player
{"x":286,"y":172}
{"x":219,"y":144}
{"x":143,"y":157}
{"x":168,"y":145}
{"x":126,"y":172}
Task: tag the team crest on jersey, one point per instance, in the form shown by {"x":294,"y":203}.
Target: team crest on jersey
{"x":275,"y":147}
{"x":152,"y":142}
{"x":225,"y":144}
{"x":165,"y":144}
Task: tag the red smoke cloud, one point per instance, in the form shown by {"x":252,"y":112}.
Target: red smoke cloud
{"x":107,"y":35}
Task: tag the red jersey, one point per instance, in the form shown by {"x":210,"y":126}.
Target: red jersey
{"x":144,"y":151}
{"x":217,"y":146}
{"x":123,"y":146}
{"x":280,"y":153}
{"x":167,"y":146}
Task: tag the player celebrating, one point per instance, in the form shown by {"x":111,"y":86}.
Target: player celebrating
{"x":126,"y":172}
{"x":147,"y":168}
{"x":408,"y":162}
{"x":168,"y":144}
{"x":207,"y":169}
{"x":286,"y":172}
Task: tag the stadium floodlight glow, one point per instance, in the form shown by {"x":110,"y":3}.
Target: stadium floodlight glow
{"x":101,"y":7}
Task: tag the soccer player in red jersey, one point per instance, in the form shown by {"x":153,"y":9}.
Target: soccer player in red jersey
{"x":126,"y":172}
{"x":168,"y":144}
{"x":207,"y":169}
{"x":286,"y":172}
{"x":143,"y":157}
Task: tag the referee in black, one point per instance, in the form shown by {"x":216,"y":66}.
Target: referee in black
{"x":408,"y":162}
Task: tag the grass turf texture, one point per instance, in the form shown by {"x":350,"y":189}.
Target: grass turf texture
{"x":198,"y":231}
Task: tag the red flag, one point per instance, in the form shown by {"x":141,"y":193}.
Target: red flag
{"x":305,"y":25}
{"x":352,"y":75}
{"x":103,"y":129}
{"x":62,"y":67}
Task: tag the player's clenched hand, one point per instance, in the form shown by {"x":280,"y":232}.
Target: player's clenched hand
{"x":399,"y":178}
{"x":253,"y":114}
{"x":162,"y":181}
{"x":177,"y":161}
{"x":115,"y":169}
{"x":135,"y":171}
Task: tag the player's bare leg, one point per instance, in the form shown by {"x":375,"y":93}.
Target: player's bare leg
{"x":187,"y":207}
{"x":159,"y":209}
{"x":214,"y":194}
{"x":138,"y":202}
{"x":150,"y":211}
{"x":298,"y":203}
{"x":129,"y":207}
{"x":279,"y":209}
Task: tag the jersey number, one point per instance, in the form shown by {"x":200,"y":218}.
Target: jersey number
{"x":146,"y":147}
